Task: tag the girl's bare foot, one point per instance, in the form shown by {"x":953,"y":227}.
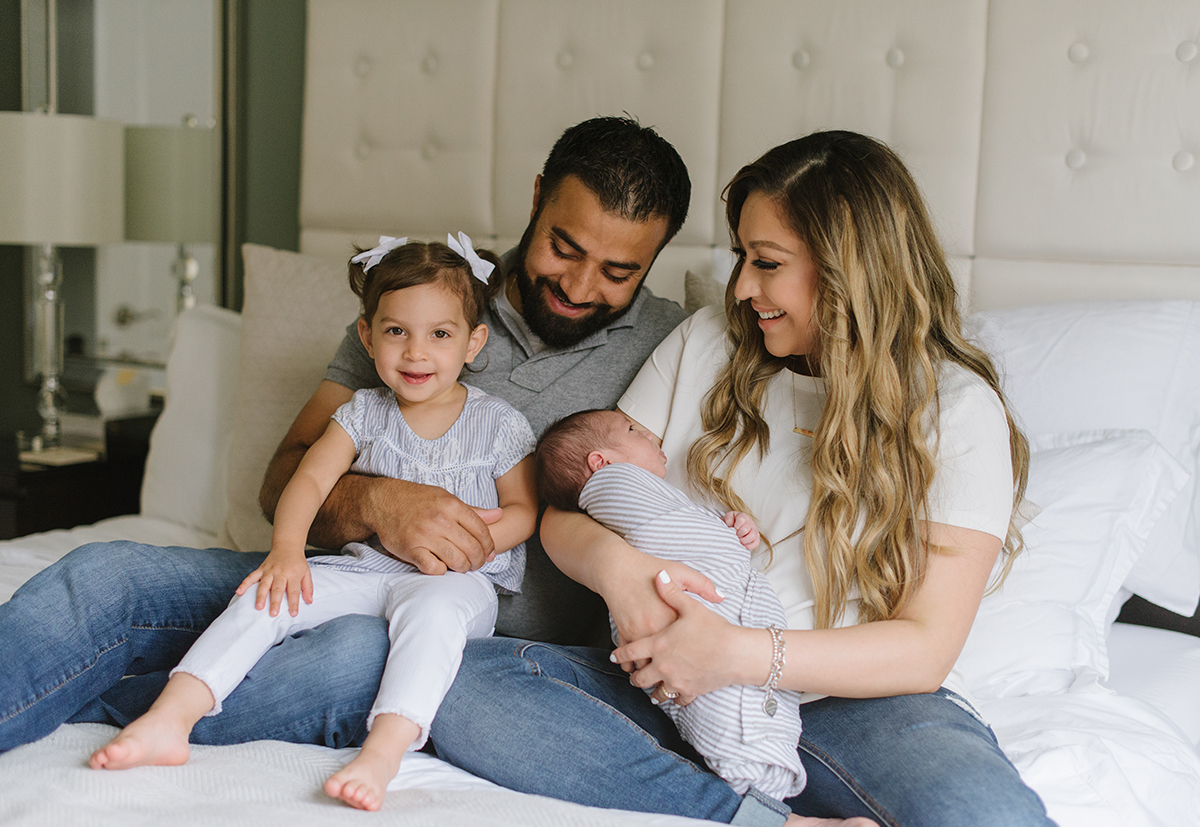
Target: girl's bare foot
{"x":363,"y":782}
{"x":152,"y":739}
{"x":808,"y":821}
{"x":160,"y":737}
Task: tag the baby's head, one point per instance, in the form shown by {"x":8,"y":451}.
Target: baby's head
{"x":576,"y":446}
{"x":416,"y":263}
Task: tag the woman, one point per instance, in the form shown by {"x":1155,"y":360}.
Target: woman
{"x":837,"y":401}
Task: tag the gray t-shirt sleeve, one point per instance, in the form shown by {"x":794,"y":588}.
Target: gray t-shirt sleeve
{"x":352,"y":367}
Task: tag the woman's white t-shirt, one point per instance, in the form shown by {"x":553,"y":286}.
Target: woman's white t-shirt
{"x":972,"y":487}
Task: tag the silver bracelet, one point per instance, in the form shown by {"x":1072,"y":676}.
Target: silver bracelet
{"x":777,"y":662}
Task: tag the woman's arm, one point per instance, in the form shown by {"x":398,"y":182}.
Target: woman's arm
{"x":910,"y":654}
{"x":590,"y":554}
{"x":518,"y":505}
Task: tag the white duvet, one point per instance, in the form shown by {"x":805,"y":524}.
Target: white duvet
{"x":1096,"y":759}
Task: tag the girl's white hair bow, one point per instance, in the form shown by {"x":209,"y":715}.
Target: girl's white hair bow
{"x":374,"y":256}
{"x":482,"y":269}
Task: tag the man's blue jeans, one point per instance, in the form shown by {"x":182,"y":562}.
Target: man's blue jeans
{"x":91,"y":639}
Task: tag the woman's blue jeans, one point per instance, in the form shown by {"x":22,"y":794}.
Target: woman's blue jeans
{"x":91,"y":638}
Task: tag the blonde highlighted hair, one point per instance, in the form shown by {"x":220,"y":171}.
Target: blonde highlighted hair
{"x":885,"y":318}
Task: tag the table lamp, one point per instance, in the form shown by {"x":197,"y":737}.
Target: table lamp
{"x":63,"y":184}
{"x":170,"y":193}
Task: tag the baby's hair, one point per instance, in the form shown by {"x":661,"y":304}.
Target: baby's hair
{"x":419,"y":263}
{"x":560,"y":458}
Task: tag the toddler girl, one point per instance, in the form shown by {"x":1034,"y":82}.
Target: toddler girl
{"x":421,"y":306}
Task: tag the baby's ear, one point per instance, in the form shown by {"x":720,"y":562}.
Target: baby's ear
{"x":596,"y":460}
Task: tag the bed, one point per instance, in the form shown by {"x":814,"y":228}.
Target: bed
{"x":1056,"y":142}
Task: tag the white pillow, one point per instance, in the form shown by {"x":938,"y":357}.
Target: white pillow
{"x":185,"y":479}
{"x":1043,"y":631}
{"x":1104,"y":365}
{"x":294,"y":316}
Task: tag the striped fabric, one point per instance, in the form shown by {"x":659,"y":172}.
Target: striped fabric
{"x":484,"y":443}
{"x":740,"y":742}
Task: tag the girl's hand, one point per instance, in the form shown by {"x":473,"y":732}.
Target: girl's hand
{"x":697,"y":653}
{"x":277,"y":577}
{"x":746,"y":530}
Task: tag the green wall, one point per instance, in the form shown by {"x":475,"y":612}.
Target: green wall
{"x":269,"y":120}
{"x":18,"y":399}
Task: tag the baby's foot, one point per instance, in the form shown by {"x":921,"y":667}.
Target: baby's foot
{"x":151,"y":740}
{"x":363,"y":782}
{"x":809,"y":821}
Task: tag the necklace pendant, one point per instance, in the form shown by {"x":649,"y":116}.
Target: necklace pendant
{"x":803,"y":431}
{"x":769,"y":706}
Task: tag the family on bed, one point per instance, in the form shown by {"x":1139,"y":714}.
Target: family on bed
{"x":832,"y":406}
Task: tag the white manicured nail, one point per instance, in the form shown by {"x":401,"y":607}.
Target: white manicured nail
{"x":663,"y":577}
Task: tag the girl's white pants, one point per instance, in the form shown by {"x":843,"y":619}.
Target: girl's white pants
{"x":430,"y":619}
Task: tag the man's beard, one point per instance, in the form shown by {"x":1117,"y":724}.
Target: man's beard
{"x":555,"y":330}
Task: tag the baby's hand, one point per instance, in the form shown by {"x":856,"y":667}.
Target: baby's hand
{"x":747,"y":532}
{"x":277,"y":577}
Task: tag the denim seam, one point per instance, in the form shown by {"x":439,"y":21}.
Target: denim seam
{"x":63,"y":682}
{"x":535,"y":669}
{"x":848,"y":780}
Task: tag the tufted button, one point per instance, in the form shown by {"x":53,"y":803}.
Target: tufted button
{"x":645,"y":61}
{"x":1078,"y":53}
{"x":566,"y":59}
{"x":1183,"y":161}
{"x":1076,"y":158}
{"x":362,"y":66}
{"x":895,"y":57}
{"x":801,"y":59}
{"x":430,"y":64}
{"x":1187,"y":51}
{"x":362,"y":149}
{"x":429,"y":151}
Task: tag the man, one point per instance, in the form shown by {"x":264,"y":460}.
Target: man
{"x":572,"y":327}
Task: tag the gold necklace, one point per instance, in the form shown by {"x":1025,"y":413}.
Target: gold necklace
{"x":796,"y":429}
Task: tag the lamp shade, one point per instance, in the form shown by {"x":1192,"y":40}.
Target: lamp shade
{"x":62,"y":179}
{"x":169,"y":183}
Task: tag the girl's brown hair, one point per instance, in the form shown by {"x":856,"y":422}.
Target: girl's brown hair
{"x":426,"y":263}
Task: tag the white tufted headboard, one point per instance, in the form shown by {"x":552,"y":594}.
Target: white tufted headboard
{"x":1056,"y":141}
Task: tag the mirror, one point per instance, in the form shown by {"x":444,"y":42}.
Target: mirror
{"x":153,"y":65}
{"x":156,"y":63}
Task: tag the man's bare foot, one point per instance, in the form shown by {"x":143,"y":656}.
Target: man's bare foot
{"x":808,"y":821}
{"x":148,"y":741}
{"x":363,"y":782}
{"x":160,"y":737}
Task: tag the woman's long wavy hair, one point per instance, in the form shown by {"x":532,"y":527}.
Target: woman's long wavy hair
{"x":885,"y":316}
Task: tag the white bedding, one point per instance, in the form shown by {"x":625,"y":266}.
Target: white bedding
{"x":1095,"y":758}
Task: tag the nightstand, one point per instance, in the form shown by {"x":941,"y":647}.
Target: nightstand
{"x":40,"y":498}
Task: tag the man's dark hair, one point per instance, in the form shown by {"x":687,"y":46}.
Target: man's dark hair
{"x":632,"y":170}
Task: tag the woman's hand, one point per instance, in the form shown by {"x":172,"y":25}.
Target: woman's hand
{"x":279,"y":576}
{"x":639,"y":611}
{"x":699,"y":652}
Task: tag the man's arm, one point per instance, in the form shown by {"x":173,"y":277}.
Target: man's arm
{"x":423,"y":525}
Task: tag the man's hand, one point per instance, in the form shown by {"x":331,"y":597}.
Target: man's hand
{"x":428,"y":527}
